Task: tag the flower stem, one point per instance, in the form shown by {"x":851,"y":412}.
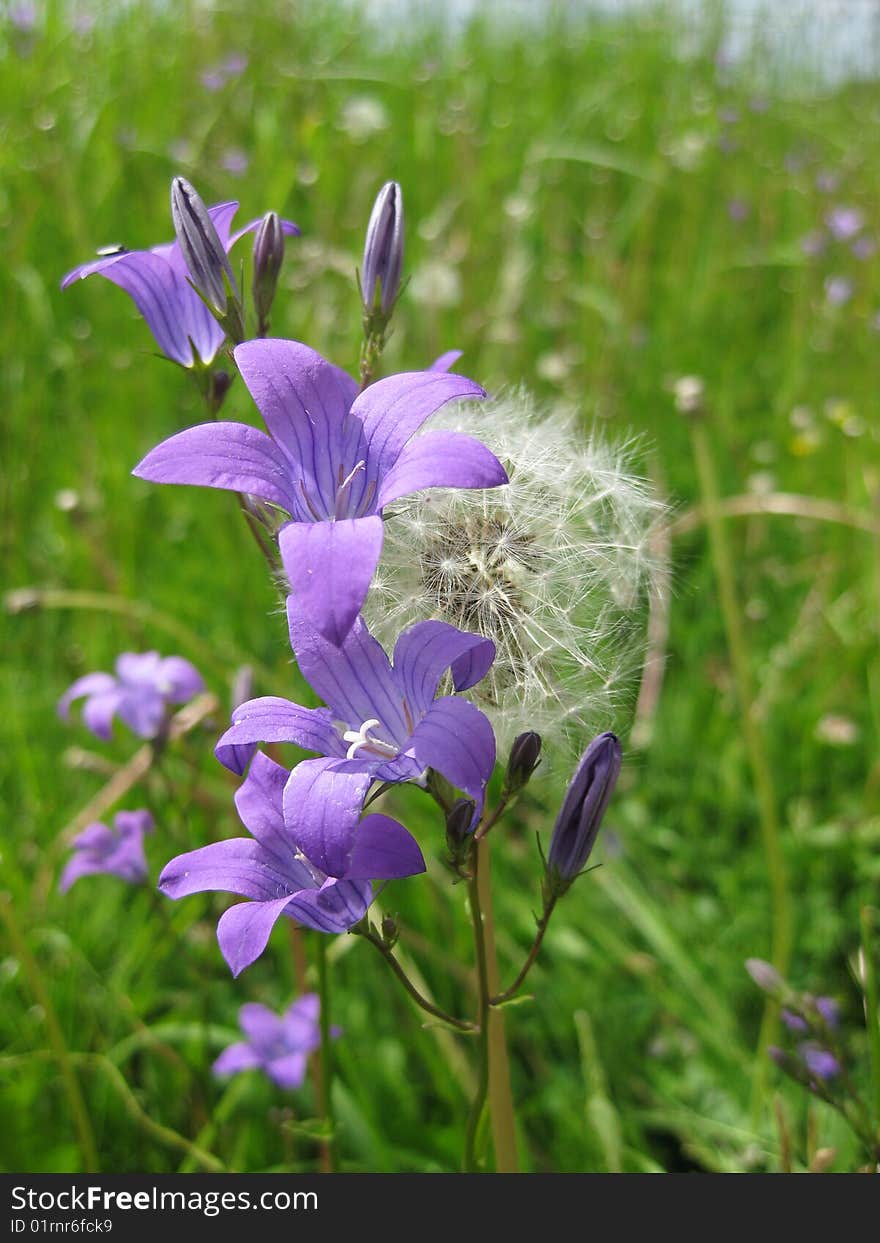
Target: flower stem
{"x":364,"y":930}
{"x":479,"y":1102}
{"x":501,"y":1108}
{"x":500,"y":998}
{"x":781,"y":915}
{"x":325,"y":1079}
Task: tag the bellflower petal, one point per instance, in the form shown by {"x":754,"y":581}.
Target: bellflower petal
{"x":270,"y":719}
{"x":423,"y":653}
{"x":226,"y":455}
{"x":330,"y":566}
{"x":441,"y":460}
{"x":236,"y":1058}
{"x":262,"y":1026}
{"x":288,"y":1071}
{"x":354,"y":678}
{"x":337,"y":906}
{"x":244,"y":930}
{"x":393,"y":409}
{"x":237,"y":865}
{"x":446,"y":361}
{"x":383,"y":850}
{"x":304,"y":401}
{"x":322,"y":805}
{"x":98,"y":712}
{"x":91,"y":684}
{"x":456,"y":738}
{"x":259,"y":801}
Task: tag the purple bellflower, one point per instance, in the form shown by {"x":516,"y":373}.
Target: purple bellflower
{"x":334,"y":459}
{"x":382,"y":717}
{"x":116,"y":852}
{"x":821,"y":1063}
{"x":310,"y":857}
{"x":157,"y":280}
{"x":139,"y":692}
{"x":277,"y":1044}
{"x":583,"y":807}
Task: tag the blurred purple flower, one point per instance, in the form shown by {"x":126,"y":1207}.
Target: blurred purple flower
{"x":844,"y":222}
{"x":157,"y":280}
{"x":829,"y":1010}
{"x":310,"y":856}
{"x":827,"y":181}
{"x":814,"y":243}
{"x":334,"y":459}
{"x":794,"y":1022}
{"x":144,"y":684}
{"x":279,"y":1045}
{"x":234,"y":64}
{"x":728,"y":116}
{"x":235,"y":161}
{"x":212,"y":79}
{"x":821,"y":1063}
{"x":23,"y":17}
{"x":864,"y":247}
{"x":838,"y":290}
{"x":738,"y":209}
{"x":115,"y":852}
{"x":381,"y":718}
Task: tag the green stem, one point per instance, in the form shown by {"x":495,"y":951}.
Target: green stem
{"x":781,"y":915}
{"x":501,"y":1108}
{"x":500,"y":998}
{"x":79,"y":1112}
{"x":479,"y":1102}
{"x":325,"y":1093}
{"x":460,"y":1024}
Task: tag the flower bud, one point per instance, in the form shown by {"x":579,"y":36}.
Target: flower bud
{"x":583,"y":807}
{"x":765,"y":976}
{"x":201,"y":247}
{"x":383,"y":251}
{"x":268,"y":257}
{"x":390,"y":931}
{"x":219,"y":384}
{"x":525,"y":756}
{"x":820,"y":1063}
{"x":459,"y":824}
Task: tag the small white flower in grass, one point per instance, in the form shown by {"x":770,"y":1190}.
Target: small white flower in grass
{"x":554,"y":568}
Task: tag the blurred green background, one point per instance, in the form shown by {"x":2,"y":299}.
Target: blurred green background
{"x":596,"y":205}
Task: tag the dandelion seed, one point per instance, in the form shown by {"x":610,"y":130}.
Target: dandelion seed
{"x":553,"y":568}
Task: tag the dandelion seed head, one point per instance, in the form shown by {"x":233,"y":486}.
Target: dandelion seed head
{"x":554,"y":568}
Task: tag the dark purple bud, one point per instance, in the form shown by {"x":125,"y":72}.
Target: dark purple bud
{"x":794,"y":1022}
{"x":202,"y":249}
{"x":829,"y":1010}
{"x":219,"y":385}
{"x":821,"y":1063}
{"x":383,"y":251}
{"x":268,"y":257}
{"x":583,"y":807}
{"x":459,"y":827}
{"x":390,"y":931}
{"x":525,"y":755}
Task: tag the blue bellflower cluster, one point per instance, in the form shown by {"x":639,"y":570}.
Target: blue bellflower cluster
{"x":335,"y":454}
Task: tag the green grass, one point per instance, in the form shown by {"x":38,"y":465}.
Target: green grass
{"x":545,"y":170}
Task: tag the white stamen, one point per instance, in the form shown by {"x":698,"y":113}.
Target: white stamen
{"x":363,"y":738}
